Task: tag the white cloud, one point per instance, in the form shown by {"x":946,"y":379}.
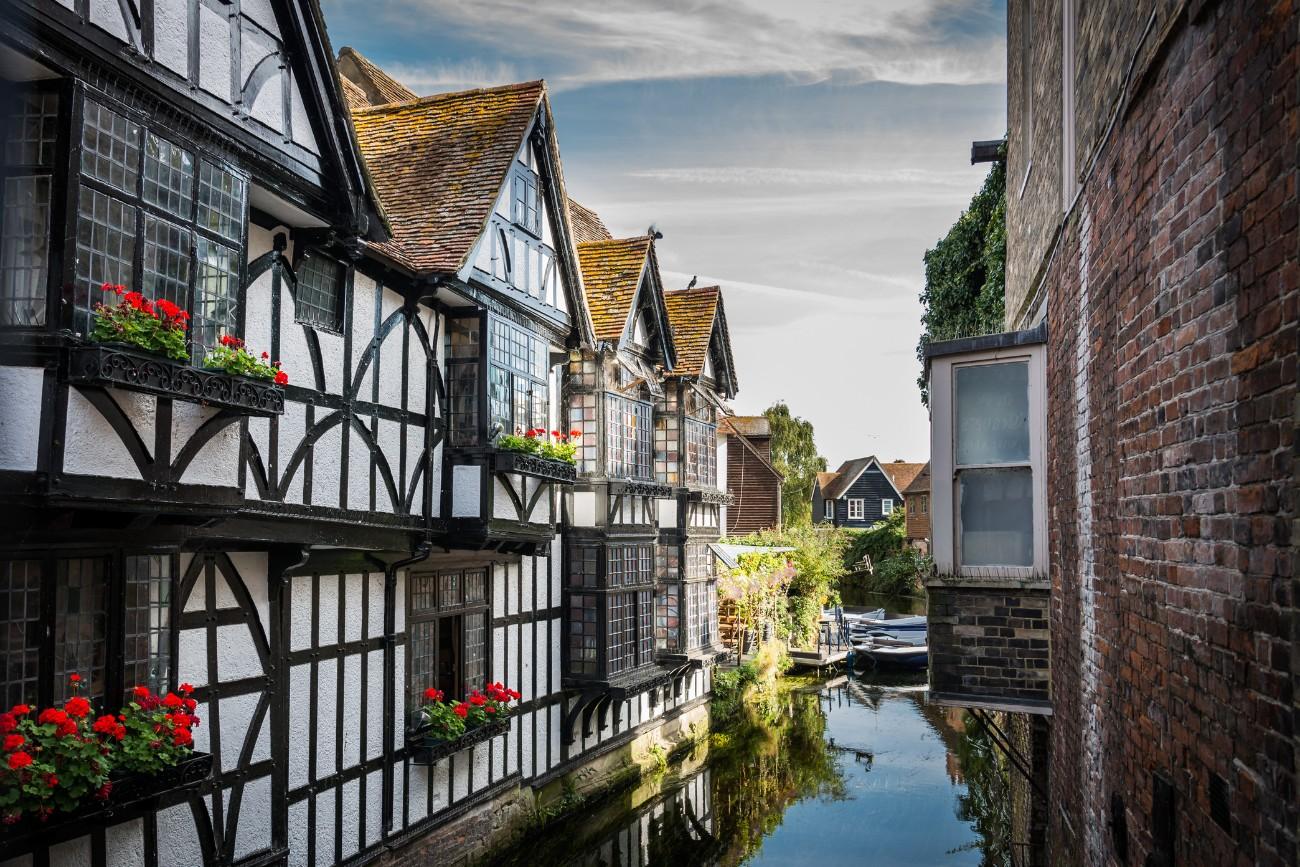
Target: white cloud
{"x":751,"y":176}
{"x":584,"y":42}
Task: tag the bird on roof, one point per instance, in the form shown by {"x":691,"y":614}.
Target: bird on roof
{"x":691,"y":285}
{"x":654,"y":232}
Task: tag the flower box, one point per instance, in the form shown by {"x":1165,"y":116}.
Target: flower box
{"x":133,"y":794}
{"x":426,"y":749}
{"x":532,"y":465}
{"x":122,"y":366}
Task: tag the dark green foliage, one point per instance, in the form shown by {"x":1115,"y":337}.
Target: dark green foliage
{"x":880,"y":542}
{"x":794,"y":454}
{"x":896,"y":570}
{"x":965,"y":272}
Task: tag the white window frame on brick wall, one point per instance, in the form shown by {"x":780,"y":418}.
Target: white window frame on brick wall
{"x":886,"y":507}
{"x":857,"y":510}
{"x":945,"y":521}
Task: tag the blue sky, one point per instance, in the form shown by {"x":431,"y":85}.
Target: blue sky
{"x":801,"y":154}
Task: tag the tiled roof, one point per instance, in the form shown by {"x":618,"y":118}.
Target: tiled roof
{"x":438,"y":163}
{"x":845,"y":476}
{"x":902,"y":473}
{"x":587,"y":225}
{"x":611,"y":272}
{"x":748,"y":425}
{"x":376,"y":86}
{"x":920,"y":484}
{"x":825,"y":480}
{"x":691,"y":313}
{"x":355,"y":96}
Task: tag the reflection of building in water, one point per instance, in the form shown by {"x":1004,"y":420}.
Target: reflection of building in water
{"x":676,"y":828}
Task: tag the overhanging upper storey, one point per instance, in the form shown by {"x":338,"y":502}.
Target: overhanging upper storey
{"x":989,"y":597}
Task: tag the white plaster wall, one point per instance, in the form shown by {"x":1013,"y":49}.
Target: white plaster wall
{"x":259,"y":430}
{"x":217,"y":463}
{"x":583,"y":511}
{"x":331,"y":355}
{"x":170,"y":45}
{"x":303,"y":134}
{"x":192,"y":664}
{"x":390,"y":353}
{"x":107,"y":16}
{"x":327,"y":467}
{"x":214,"y":59}
{"x":359,"y":475}
{"x":295,"y":356}
{"x":252,"y":567}
{"x":254,"y":830}
{"x":390,"y":443}
{"x":667,"y":513}
{"x":292,"y":428}
{"x":235,"y":656}
{"x":93,"y":448}
{"x":20,"y":422}
{"x":465,"y":491}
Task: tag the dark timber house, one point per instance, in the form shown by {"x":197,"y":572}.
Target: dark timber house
{"x":861,"y":492}
{"x":1114,"y":482}
{"x":311,"y":556}
{"x":751,"y":480}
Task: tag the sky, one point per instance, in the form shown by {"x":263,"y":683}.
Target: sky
{"x":803,"y":155}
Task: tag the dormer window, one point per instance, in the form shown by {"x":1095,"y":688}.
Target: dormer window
{"x":525,"y":208}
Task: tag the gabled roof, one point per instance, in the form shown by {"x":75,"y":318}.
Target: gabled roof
{"x":587,"y":225}
{"x":611,"y":275}
{"x":353,"y":95}
{"x":747,"y":425}
{"x":901,"y":474}
{"x":921,"y":483}
{"x":834,"y":485}
{"x":439,"y":162}
{"x":697,"y":318}
{"x":726,"y":426}
{"x":375,"y":86}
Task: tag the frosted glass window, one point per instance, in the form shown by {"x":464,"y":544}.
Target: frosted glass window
{"x":997,"y":516}
{"x":992,"y":423}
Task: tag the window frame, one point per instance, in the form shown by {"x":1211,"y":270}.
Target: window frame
{"x":860,"y":512}
{"x":945,"y":521}
{"x":113,"y":667}
{"x":56,"y":228}
{"x":419,"y":614}
{"x":700,"y":453}
{"x":532,"y":182}
{"x":886,"y":506}
{"x":639,"y":467}
{"x":601,"y":593}
{"x":343,"y":270}
{"x":828,"y":509}
{"x":79,"y":321}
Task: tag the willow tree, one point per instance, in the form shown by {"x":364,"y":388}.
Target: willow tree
{"x":794,"y":454}
{"x":965,"y":272}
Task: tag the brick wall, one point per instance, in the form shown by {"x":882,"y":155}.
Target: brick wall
{"x":988,"y":644}
{"x":1172,"y":434}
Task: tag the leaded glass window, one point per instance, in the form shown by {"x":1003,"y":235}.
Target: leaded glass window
{"x":518,"y":367}
{"x":629,"y":435}
{"x":621,"y":626}
{"x":147,"y":640}
{"x":584,"y":637}
{"x":70,"y":603}
{"x":30,"y":134}
{"x":447,"y":629}
{"x":159,"y":218}
{"x":525,"y":209}
{"x":463,"y":348}
{"x":318,"y":295}
{"x":701,"y":453}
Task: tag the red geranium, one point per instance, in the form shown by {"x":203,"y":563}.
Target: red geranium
{"x":19,"y":760}
{"x":77,"y":706}
{"x":54,"y":715}
{"x":7,"y":723}
{"x":461,"y":710}
{"x":13,"y":742}
{"x":21,"y":710}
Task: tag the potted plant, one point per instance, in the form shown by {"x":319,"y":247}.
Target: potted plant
{"x":232,"y":356}
{"x":535,"y":441}
{"x":64,"y":763}
{"x":444,"y":726}
{"x":134,"y":320}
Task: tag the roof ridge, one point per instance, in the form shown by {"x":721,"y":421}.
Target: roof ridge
{"x":432,"y":98}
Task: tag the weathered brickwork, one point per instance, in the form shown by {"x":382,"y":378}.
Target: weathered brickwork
{"x":989,"y":644}
{"x":1034,"y":136}
{"x":1173,"y":308}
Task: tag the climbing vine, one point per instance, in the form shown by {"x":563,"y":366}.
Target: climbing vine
{"x":965,"y":272}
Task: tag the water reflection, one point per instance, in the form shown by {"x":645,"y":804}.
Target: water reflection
{"x":845,"y":771}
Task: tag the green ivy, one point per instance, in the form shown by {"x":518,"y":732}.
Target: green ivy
{"x":965,"y":273}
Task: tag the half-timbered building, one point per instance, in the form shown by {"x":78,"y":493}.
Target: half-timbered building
{"x":309,"y":555}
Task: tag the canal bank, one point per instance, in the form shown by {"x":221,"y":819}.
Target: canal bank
{"x":831,"y":771}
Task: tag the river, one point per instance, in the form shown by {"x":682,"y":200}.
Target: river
{"x":833,"y":772}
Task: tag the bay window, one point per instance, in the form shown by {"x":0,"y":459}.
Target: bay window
{"x":447,"y":625}
{"x":988,"y":428}
{"x":686,"y":608}
{"x":107,"y":618}
{"x":516,"y":393}
{"x":629,"y":438}
{"x":159,"y":217}
{"x":701,"y":453}
{"x":610,"y":609}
